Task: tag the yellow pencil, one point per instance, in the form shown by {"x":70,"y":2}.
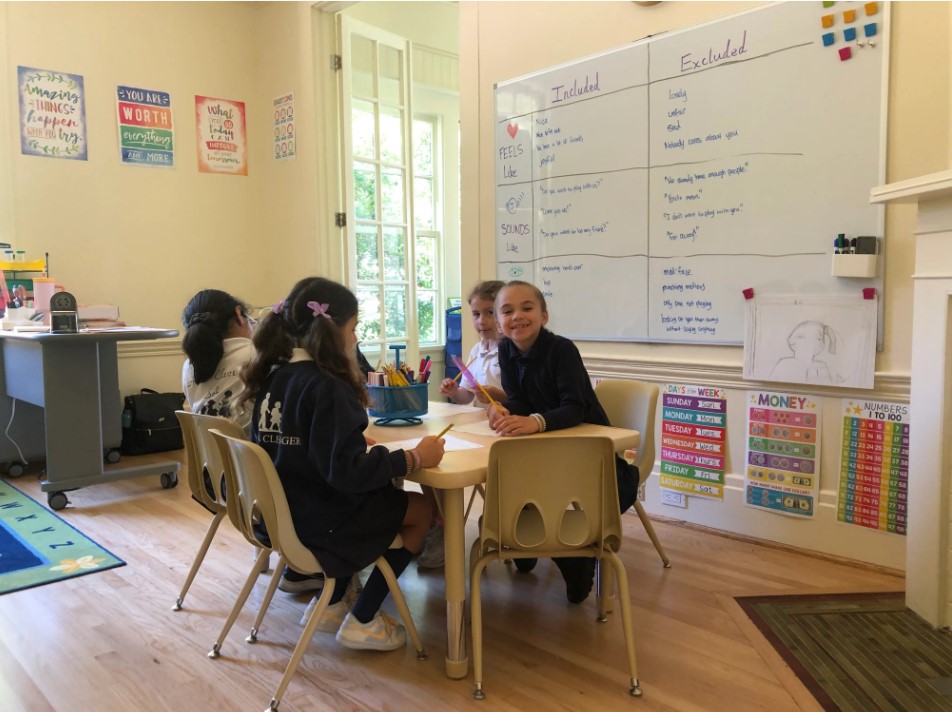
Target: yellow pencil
{"x":444,"y":431}
{"x":456,"y":377}
{"x":491,"y":401}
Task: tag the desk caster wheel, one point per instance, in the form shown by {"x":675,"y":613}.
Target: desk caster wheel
{"x":15,"y":470}
{"x":168,"y":480}
{"x":112,"y":456}
{"x":57,"y":500}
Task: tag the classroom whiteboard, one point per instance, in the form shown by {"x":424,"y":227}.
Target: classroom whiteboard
{"x":644,"y":188}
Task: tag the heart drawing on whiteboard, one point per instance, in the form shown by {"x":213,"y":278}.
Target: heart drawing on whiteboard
{"x":512,"y":129}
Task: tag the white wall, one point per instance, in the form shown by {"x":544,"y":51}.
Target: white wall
{"x":499,"y":41}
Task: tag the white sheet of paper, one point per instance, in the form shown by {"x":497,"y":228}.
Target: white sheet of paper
{"x":452,"y":444}
{"x":479,"y":428}
{"x":436,"y":409}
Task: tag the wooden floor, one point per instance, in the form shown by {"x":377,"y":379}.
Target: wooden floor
{"x":110,"y":641}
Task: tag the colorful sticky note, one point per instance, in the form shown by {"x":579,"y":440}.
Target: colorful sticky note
{"x":845,"y":53}
{"x":849,"y":15}
{"x":870,"y":29}
{"x":828,"y":38}
{"x":871,"y":8}
{"x":828,"y":3}
{"x":827,"y":21}
{"x":849,"y":34}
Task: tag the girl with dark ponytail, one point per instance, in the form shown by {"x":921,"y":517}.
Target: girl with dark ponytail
{"x":217,"y":343}
{"x":310,"y":415}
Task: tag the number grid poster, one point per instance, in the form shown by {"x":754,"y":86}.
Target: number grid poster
{"x":693,"y":440}
{"x":874,"y":465}
{"x":146,"y":136}
{"x":783,"y":453}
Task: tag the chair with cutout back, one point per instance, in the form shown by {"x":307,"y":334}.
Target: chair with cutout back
{"x":548,"y":497}
{"x":260,"y":497}
{"x":205,"y":478}
{"x":633,"y":405}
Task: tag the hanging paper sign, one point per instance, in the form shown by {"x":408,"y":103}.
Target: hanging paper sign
{"x":783,"y":453}
{"x":146,"y":136}
{"x":874,"y":465}
{"x":283,"y":111}
{"x":222,"y":138}
{"x":52,"y":114}
{"x":693,"y":440}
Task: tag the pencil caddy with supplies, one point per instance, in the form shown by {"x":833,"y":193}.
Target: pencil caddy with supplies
{"x":398,"y":405}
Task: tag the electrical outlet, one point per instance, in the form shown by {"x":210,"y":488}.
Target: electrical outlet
{"x":674,"y":499}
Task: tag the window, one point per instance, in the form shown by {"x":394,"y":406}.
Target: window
{"x":394,"y":226}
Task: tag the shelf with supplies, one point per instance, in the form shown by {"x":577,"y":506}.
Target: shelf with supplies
{"x":31,"y":266}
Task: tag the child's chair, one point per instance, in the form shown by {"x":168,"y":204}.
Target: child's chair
{"x":546,"y":497}
{"x":205,"y":477}
{"x":258,"y":494}
{"x":633,"y":404}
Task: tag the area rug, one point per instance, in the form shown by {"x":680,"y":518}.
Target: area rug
{"x":858,"y":652}
{"x":38,"y":547}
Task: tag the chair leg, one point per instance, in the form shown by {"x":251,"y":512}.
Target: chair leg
{"x":643,"y":516}
{"x":240,"y":601}
{"x":199,"y":558}
{"x":634,"y":688}
{"x":402,"y":608}
{"x":472,"y":497}
{"x":605,"y":593}
{"x":268,"y":595}
{"x":476,"y":613}
{"x":303,"y":641}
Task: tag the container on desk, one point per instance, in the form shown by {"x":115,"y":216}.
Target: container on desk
{"x":398,"y":405}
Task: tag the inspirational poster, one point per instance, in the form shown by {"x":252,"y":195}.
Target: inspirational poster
{"x":283,"y":107}
{"x":146,"y":136}
{"x":693,"y":440}
{"x":52,"y":114}
{"x":222,"y":136}
{"x":874,"y":465}
{"x":783,"y":452}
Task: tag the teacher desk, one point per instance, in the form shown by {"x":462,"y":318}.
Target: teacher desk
{"x":74,"y":381}
{"x":458,"y":470}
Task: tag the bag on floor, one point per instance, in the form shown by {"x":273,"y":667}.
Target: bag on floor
{"x":149,"y":423}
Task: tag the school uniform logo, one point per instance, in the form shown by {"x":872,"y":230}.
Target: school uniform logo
{"x":269,"y":424}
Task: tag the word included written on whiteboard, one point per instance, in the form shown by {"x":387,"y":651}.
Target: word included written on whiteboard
{"x":689,"y":63}
{"x":579,"y":88}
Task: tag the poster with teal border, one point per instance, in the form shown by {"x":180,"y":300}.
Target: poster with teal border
{"x":783,"y":453}
{"x":52,"y":114}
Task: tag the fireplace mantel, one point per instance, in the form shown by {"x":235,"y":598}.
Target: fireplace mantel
{"x":928,"y":555}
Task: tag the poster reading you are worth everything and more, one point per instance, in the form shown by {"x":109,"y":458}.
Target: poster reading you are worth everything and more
{"x":693,"y":440}
{"x":874,"y":465}
{"x":146,"y":136}
{"x":52,"y":114}
{"x":783,"y":452}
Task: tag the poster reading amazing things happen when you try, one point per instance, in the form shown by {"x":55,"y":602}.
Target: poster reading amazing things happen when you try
{"x":145,"y":126}
{"x":693,"y":440}
{"x":222,"y":138}
{"x":783,"y":452}
{"x":52,"y":114}
{"x":874,"y":465}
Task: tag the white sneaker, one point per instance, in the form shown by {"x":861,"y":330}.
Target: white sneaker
{"x":432,"y":555}
{"x":382,"y":633}
{"x":332,"y":618}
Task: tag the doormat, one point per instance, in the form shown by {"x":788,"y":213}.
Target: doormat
{"x":38,"y":547}
{"x":858,"y":652}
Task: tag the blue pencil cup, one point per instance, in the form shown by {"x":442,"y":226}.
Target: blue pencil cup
{"x":398,"y":405}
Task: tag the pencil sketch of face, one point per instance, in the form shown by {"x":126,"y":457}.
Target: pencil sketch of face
{"x":807,"y":339}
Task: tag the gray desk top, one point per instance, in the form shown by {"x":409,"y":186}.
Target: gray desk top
{"x":127,"y":333}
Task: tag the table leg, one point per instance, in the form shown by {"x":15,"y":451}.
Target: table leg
{"x":454,"y":571}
